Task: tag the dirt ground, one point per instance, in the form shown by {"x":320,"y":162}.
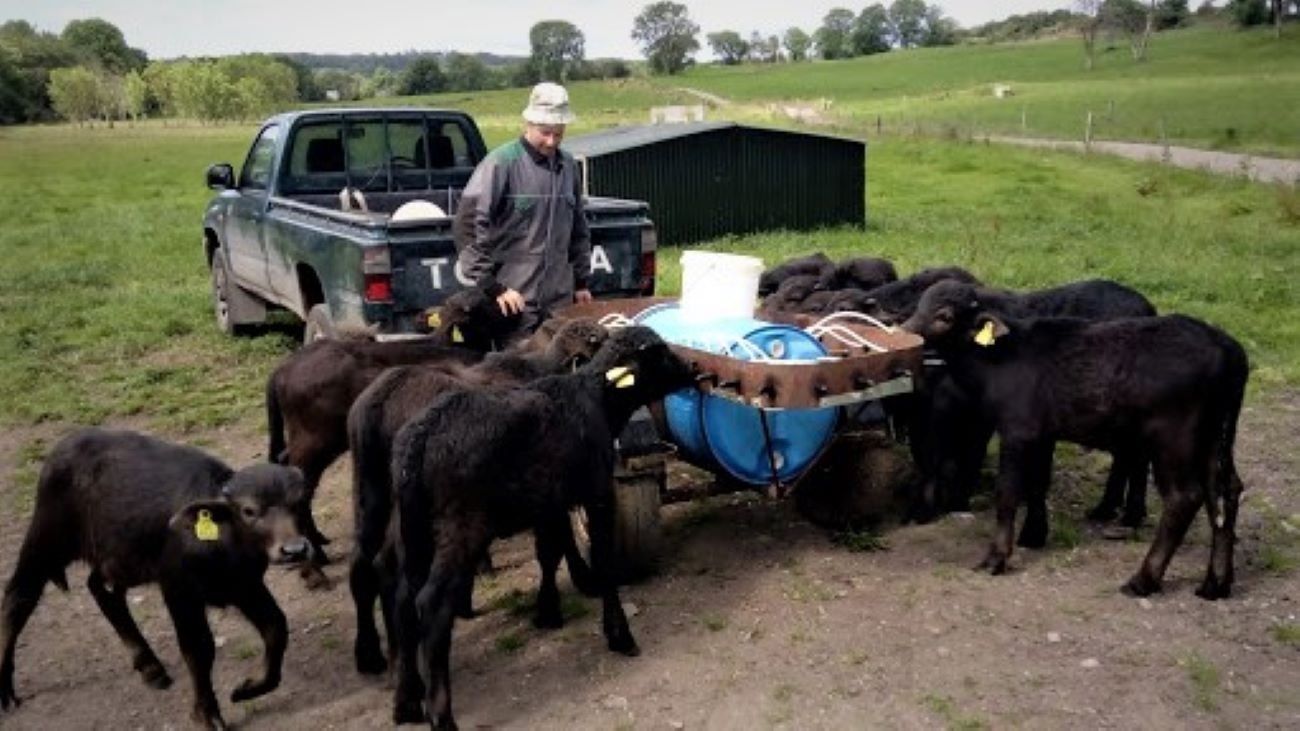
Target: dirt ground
{"x":758,"y":620}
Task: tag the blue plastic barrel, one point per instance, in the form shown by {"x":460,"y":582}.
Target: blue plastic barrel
{"x":713,"y":431}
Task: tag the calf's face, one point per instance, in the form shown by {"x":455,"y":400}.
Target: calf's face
{"x":949,"y":313}
{"x":639,"y":352}
{"x":577,"y":341}
{"x":257,"y":511}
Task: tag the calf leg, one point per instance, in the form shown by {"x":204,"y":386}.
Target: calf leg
{"x":549,"y":543}
{"x":1106,"y":510}
{"x":1222,"y":511}
{"x":600,"y":516}
{"x":195,"y":640}
{"x":365,"y":582}
{"x":113,"y":604}
{"x":1180,"y":506}
{"x":410,"y":687}
{"x":259,"y":607}
{"x":448,"y":581}
{"x":22,"y":594}
{"x":1015,"y":468}
{"x":1135,"y":502}
{"x":1033,"y":534}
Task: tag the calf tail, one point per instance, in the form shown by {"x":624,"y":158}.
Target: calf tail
{"x":415,"y":538}
{"x":1226,"y":482}
{"x":275,"y":450}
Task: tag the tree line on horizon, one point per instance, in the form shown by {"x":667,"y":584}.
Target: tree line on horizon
{"x":89,"y":73}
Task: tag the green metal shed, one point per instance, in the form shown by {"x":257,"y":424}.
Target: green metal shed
{"x":709,"y":179}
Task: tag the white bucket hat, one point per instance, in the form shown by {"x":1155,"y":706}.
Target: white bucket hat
{"x":548,"y":104}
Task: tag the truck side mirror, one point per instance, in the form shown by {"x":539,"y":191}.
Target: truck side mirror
{"x":221,"y":176}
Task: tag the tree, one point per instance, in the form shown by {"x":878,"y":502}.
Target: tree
{"x":74,"y":93}
{"x":424,"y":76}
{"x":557,"y":47}
{"x":667,"y":36}
{"x":30,"y":56}
{"x":99,"y":42}
{"x":261,"y":83}
{"x":345,"y":84}
{"x":797,"y":43}
{"x":940,"y":30}
{"x":764,"y":49}
{"x":1089,"y":23}
{"x":1249,"y":12}
{"x":306,"y":78}
{"x":832,"y":38}
{"x":907,"y":21}
{"x":1171,"y":14}
{"x":200,"y":91}
{"x":466,"y":73}
{"x":135,"y":95}
{"x":728,"y":46}
{"x":1134,"y":19}
{"x":870,"y":31}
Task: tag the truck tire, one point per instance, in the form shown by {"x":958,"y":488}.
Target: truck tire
{"x":236,"y":310}
{"x":638,"y":533}
{"x":320,"y":325}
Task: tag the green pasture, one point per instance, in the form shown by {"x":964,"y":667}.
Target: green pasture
{"x":105,"y":312}
{"x":1203,"y":87}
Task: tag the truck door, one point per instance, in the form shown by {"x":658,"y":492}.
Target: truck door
{"x":248,"y":261}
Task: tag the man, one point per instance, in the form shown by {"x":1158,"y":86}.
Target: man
{"x":520,"y":227}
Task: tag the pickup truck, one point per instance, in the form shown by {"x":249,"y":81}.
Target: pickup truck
{"x":309,"y":226}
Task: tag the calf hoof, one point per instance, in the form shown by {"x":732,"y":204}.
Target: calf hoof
{"x":210,"y":721}
{"x":407,"y":712}
{"x":1133,"y":520}
{"x":155,"y":675}
{"x":370,"y":661}
{"x":1034,"y":537}
{"x":549,"y":620}
{"x":1118,"y":533}
{"x":994,"y":563}
{"x":315,"y":579}
{"x":8,"y":699}
{"x":250,"y":689}
{"x":1212,"y":589}
{"x":1102,"y":513}
{"x":1140,"y":585}
{"x":624,"y":645}
{"x":445,"y":724}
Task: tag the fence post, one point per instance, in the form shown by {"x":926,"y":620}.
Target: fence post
{"x":877,"y":125}
{"x":1024,"y":119}
{"x":1087,"y":133}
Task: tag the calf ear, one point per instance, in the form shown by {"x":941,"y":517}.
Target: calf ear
{"x":203,"y":519}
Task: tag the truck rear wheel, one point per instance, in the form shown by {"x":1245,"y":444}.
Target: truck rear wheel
{"x":638,"y":533}
{"x":320,"y":325}
{"x":235,"y":309}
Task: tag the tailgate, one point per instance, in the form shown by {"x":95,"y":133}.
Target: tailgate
{"x":423,"y":258}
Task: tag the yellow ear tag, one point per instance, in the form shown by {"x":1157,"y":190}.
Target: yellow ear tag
{"x":625,"y":382}
{"x":434,"y":319}
{"x":985,"y":336}
{"x":615,"y":373}
{"x":205,"y":529}
{"x":456,"y":337}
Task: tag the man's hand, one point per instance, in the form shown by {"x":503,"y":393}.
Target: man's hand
{"x":510,"y":302}
{"x":582,"y":296}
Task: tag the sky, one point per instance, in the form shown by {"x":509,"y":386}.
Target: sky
{"x":171,"y":28}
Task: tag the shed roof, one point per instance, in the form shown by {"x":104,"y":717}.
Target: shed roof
{"x":615,"y":139}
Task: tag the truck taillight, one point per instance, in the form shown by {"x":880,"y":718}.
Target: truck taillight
{"x":379,"y":288}
{"x":647,"y":273}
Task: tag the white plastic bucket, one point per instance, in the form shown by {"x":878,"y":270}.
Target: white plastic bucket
{"x":718,"y":286}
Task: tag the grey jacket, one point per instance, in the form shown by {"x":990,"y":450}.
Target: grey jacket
{"x":520,"y":224}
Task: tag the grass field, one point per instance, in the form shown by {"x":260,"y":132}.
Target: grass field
{"x":1203,"y":87}
{"x":104,"y":304}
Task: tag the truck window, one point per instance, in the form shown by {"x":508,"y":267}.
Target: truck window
{"x":317,"y":163}
{"x":256,"y":174}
